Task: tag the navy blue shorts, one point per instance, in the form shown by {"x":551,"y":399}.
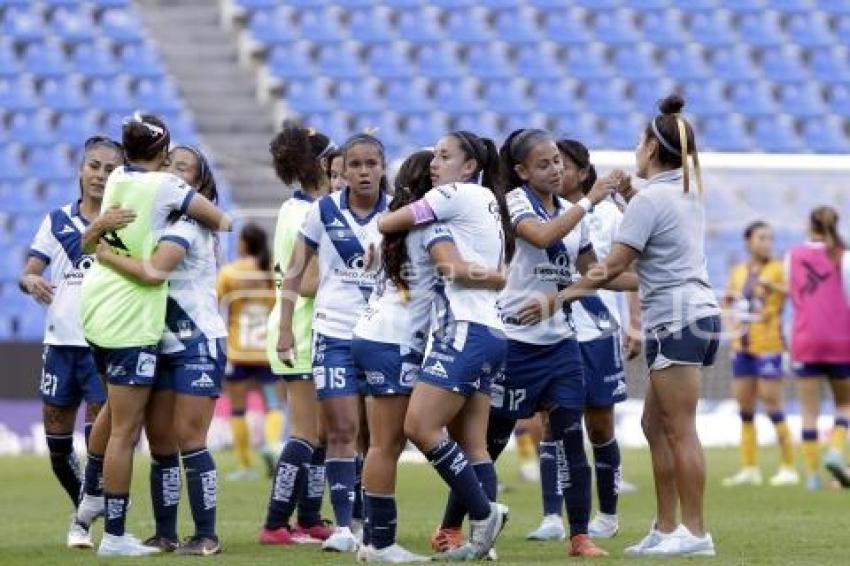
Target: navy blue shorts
{"x":128,"y":366}
{"x":197,"y":370}
{"x":830,"y":371}
{"x":466,"y":359}
{"x":69,"y":376}
{"x":694,"y":345}
{"x":604,"y":373}
{"x":334,"y":372}
{"x":766,"y":367}
{"x":244,"y":372}
{"x":539,"y":377}
{"x":390,"y":369}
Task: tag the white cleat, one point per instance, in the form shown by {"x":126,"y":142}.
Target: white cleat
{"x":357,"y":529}
{"x":243,"y":474}
{"x":651,"y":540}
{"x":78,"y":535}
{"x":682,"y":543}
{"x":551,"y":528}
{"x":394,"y":554}
{"x":90,"y":508}
{"x":530,"y":471}
{"x":626,"y":488}
{"x":485,"y":532}
{"x":785,"y":476}
{"x":603,"y":526}
{"x":343,"y":540}
{"x":126,"y":545}
{"x":364,"y":552}
{"x":745,"y":476}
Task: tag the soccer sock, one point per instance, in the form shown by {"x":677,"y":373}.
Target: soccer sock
{"x":241,"y":440}
{"x":838,"y":436}
{"x":749,"y":442}
{"x":116,"y":513}
{"x":454,"y":512}
{"x":382,"y":517}
{"x":811,"y":450}
{"x":486,"y":474}
{"x":273,"y":427}
{"x":567,"y":430}
{"x":341,"y":473}
{"x":288,"y":484}
{"x":310,"y":502}
{"x":87,"y":432}
{"x":357,"y":511}
{"x":606,"y":459}
{"x":451,"y":463}
{"x":202,"y":486}
{"x":553,"y":498}
{"x":93,"y":478}
{"x":783,"y":437}
{"x":165,"y":485}
{"x":64,"y":462}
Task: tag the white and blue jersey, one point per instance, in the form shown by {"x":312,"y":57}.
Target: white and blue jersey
{"x":69,"y":372}
{"x":341,"y":240}
{"x":192,"y":345}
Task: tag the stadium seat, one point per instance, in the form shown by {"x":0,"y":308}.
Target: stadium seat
{"x":550,"y":5}
{"x":664,"y":28}
{"x":760,"y":29}
{"x":705,"y":99}
{"x":371,"y":26}
{"x":292,"y":62}
{"x":50,"y":164}
{"x":606,"y":97}
{"x":159,"y":96}
{"x":10,"y":65}
{"x":511,"y":122}
{"x":782,"y":64}
{"x":468,"y":26}
{"x":489,"y":61}
{"x":322,"y":25}
{"x":809,"y":30}
{"x":842,"y":28}
{"x":744,"y":7}
{"x":439,"y":61}
{"x":567,"y":27}
{"x":386,"y":125}
{"x":616,"y":28}
{"x":73,"y":26}
{"x":309,"y":96}
{"x":57,"y":194}
{"x":825,"y":135}
{"x":733,"y":64}
{"x":557,"y":97}
{"x":23,"y":25}
{"x":359,"y":96}
{"x":404,"y":4}
{"x":452,"y":4}
{"x":12,"y":169}
{"x":457,"y":97}
{"x":46,"y":60}
{"x":420,"y":25}
{"x":273,"y":27}
{"x":18,"y":94}
{"x":518,"y":27}
{"x":802,"y":100}
{"x":73,"y":128}
{"x":340,"y":61}
{"x":336,"y":125}
{"x":830,"y":65}
{"x":636,"y":62}
{"x":95,"y":61}
{"x":724,"y":133}
{"x":584,"y":128}
{"x":121,"y":26}
{"x":33,"y":130}
{"x":834,"y":7}
{"x":753,"y":99}
{"x":646,"y":93}
{"x":65,"y":94}
{"x":586,"y":62}
{"x":107,"y":4}
{"x":112,"y":95}
{"x":623,"y":134}
{"x":389,"y":61}
{"x":498,"y":5}
{"x":776,"y":134}
{"x":839,"y":100}
{"x":141,"y":60}
{"x":791,"y":7}
{"x":354,"y":3}
{"x":425,"y":131}
{"x":24,"y":227}
{"x":712,"y":28}
{"x":507,"y":97}
{"x":31,"y":326}
{"x":686,"y":64}
{"x":408,"y":96}
{"x":538,"y":62}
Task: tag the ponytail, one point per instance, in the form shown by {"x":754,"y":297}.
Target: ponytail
{"x":676,"y":139}
{"x":297,"y":152}
{"x":257,"y":245}
{"x":824,"y":222}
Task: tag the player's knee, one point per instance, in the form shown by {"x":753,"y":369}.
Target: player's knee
{"x":342,"y":432}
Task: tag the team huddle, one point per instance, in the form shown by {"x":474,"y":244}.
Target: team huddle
{"x":487,"y":286}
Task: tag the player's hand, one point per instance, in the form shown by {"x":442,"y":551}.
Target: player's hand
{"x":115,"y":218}
{"x":38,"y":288}
{"x":538,"y":311}
{"x":103,"y":249}
{"x":633,"y":346}
{"x":624,"y":185}
{"x":286,"y":348}
{"x":372,"y":259}
{"x":602,"y":189}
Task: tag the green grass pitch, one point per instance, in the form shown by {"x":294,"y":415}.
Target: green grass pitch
{"x":750,"y":525}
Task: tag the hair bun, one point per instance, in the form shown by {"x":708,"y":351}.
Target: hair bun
{"x":673,"y":104}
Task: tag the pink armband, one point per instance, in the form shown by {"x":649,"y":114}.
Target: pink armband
{"x":422,"y":213}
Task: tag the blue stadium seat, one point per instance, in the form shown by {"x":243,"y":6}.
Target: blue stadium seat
{"x":664,"y":28}
{"x":73,"y":26}
{"x":452,"y":4}
{"x":10,"y":66}
{"x":701,"y":6}
{"x":646,"y":93}
{"x":623,"y":134}
{"x":809,"y":30}
{"x":706,"y":98}
{"x":551,"y":5}
{"x":834,"y":7}
{"x":408,"y":96}
{"x":50,"y":164}
{"x":307,"y":4}
{"x":598,"y":5}
{"x":636,"y":62}
{"x":23,"y":25}
{"x":15,"y":3}
{"x":112,"y":124}
{"x":490,"y":61}
{"x":839,"y":100}
{"x":587,"y":62}
{"x":712,"y":28}
{"x":518,"y":27}
{"x":355,"y":3}
{"x":339,"y":61}
{"x":791,"y":7}
{"x":457,"y":97}
{"x":724,"y":133}
{"x":159,"y":96}
{"x":95,"y":61}
{"x":359,"y":95}
{"x":616,"y":28}
{"x":420,"y":25}
{"x":505,"y":4}
{"x":485,"y":124}
{"x":292,"y":62}
{"x":18,"y":94}
{"x":826,"y":135}
{"x":733,"y":64}
{"x":468,"y":26}
{"x":802,"y":100}
{"x":753,"y":99}
{"x":538,"y":62}
{"x":46,"y":60}
{"x":557,"y":97}
{"x":61,"y":3}
{"x":65,"y":94}
{"x":649,"y":5}
{"x":606,"y":97}
{"x":107,"y":4}
{"x":371,"y":26}
{"x":273,"y":27}
{"x":12,"y":169}
{"x":761,"y":29}
{"x":686,"y":64}
{"x":404,"y":4}
{"x":31,"y":326}
{"x":439,"y":61}
{"x":142,"y":61}
{"x":582,"y":127}
{"x":387,"y":127}
{"x":121,"y":26}
{"x":24,"y":227}
{"x":567,"y":27}
{"x":389,"y":61}
{"x":830,"y":65}
{"x":57,"y":194}
{"x":776,"y":134}
{"x":112,"y":95}
{"x":842,"y":28}
{"x":309,"y":96}
{"x":335,"y":125}
{"x":32,"y":129}
{"x":507,"y":97}
{"x":744,"y":7}
{"x":783,"y":64}
{"x":425,"y":131}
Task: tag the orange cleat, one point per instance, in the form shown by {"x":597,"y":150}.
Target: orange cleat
{"x":444,"y":540}
{"x":583,"y":546}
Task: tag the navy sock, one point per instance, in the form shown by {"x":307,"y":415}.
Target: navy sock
{"x":165,"y":484}
{"x":606,"y":459}
{"x":553,"y":498}
{"x":288,"y":484}
{"x":357,"y":512}
{"x":116,"y":513}
{"x":486,"y":474}
{"x":454,"y":513}
{"x":367,"y":522}
{"x":382,"y":519}
{"x":93,"y":478}
{"x":87,"y":432}
{"x":499,"y":431}
{"x":313,"y":491}
{"x":202,"y":485}
{"x":64,"y":462}
{"x":567,"y":431}
{"x":451,"y":463}
{"x":341,"y":473}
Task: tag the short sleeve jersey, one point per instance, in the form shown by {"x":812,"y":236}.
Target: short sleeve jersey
{"x":116,"y":311}
{"x":539,"y":273}
{"x":58,"y":243}
{"x":342,"y":240}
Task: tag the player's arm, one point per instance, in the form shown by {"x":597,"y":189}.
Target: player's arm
{"x":153,"y":272}
{"x":208,"y":214}
{"x":634,"y":334}
{"x":33,"y":283}
{"x":113,"y":218}
{"x":623,"y":280}
{"x":450,"y":264}
{"x":310,"y":280}
{"x":302,"y":254}
{"x":406,"y":217}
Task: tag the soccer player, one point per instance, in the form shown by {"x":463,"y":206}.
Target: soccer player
{"x":341,"y":228}
{"x":69,"y":374}
{"x":190,"y":367}
{"x":663,"y":230}
{"x":334,"y":170}
{"x":299,"y":477}
{"x":818,"y":275}
{"x":468,"y":350}
{"x":124,"y":320}
{"x":245,"y":289}
{"x":754,"y":300}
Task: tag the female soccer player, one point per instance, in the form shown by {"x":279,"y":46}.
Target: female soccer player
{"x":818,"y":275}
{"x":468,"y":351}
{"x":341,"y":228}
{"x":69,"y":373}
{"x":245,"y":290}
{"x":123,"y":319}
{"x":299,"y":476}
{"x":663,"y":230}
{"x":334,"y":170}
{"x":754,"y":300}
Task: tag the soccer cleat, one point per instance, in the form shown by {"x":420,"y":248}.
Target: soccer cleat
{"x":835,"y":464}
{"x":125,"y":545}
{"x":282,"y":536}
{"x":393,"y":554}
{"x":342,"y":540}
{"x":444,"y":540}
{"x":551,"y":528}
{"x":682,"y":543}
{"x":626,"y":488}
{"x":603,"y":526}
{"x":90,"y":508}
{"x":745,"y":476}
{"x":243,"y":474}
{"x":164,"y":544}
{"x":786,"y":475}
{"x":653,"y":538}
{"x":583,"y":546}
{"x":813,"y":482}
{"x":78,"y":535}
{"x":317,"y":533}
{"x":364,"y":552}
{"x":484,"y":532}
{"x":199,"y":546}
{"x":530,"y":471}
{"x":492,"y":555}
{"x":357,"y":529}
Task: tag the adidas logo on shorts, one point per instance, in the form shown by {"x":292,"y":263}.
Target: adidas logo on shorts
{"x":438,"y":370}
{"x":205,"y":382}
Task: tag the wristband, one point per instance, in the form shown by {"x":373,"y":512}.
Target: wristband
{"x":585,"y":204}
